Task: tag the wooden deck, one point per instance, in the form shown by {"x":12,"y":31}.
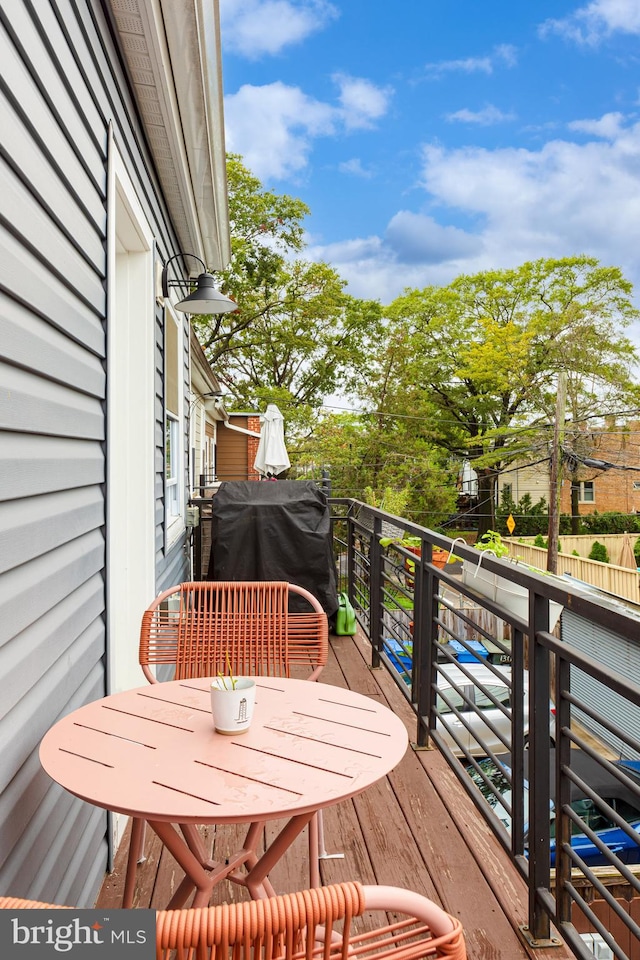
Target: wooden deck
{"x":416,"y":828}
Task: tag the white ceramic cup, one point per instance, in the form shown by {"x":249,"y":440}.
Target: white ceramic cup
{"x":232,"y":704}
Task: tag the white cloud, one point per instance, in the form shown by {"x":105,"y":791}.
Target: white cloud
{"x":608,"y":127}
{"x":273,"y":127}
{"x":504,"y":54}
{"x":253,"y":28}
{"x":362,"y":101}
{"x":486,"y":117}
{"x":597,"y":20}
{"x":355,"y":168}
{"x":416,"y":238}
{"x":565,"y":199}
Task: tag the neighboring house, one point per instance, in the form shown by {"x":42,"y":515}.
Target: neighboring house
{"x":113,"y":161}
{"x":616,"y":488}
{"x":237,"y":446}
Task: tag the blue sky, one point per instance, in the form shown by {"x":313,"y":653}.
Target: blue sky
{"x":433,"y":138}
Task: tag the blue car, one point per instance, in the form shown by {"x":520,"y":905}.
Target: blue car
{"x":623,"y":798}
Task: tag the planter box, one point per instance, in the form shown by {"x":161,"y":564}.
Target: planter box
{"x":511,"y":596}
{"x":438,"y":559}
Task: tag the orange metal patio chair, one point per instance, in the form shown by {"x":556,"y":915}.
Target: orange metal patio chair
{"x":316,"y":923}
{"x":203,"y":628}
{"x":196,"y":626}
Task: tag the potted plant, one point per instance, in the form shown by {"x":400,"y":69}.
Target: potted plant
{"x":500,"y":589}
{"x":439,"y":557}
{"x":232,"y":702}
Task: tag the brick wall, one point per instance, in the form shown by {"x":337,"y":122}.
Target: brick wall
{"x":614,"y":488}
{"x":253,"y":423}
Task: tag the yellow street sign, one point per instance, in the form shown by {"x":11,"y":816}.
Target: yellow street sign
{"x":511,"y":524}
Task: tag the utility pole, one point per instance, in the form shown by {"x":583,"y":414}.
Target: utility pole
{"x":555,"y":474}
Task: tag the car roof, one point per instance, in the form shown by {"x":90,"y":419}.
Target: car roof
{"x":479,"y":671}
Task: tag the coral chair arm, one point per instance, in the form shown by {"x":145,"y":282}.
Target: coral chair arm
{"x":409,"y":902}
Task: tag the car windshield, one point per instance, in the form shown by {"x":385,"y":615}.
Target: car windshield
{"x":498,"y":792}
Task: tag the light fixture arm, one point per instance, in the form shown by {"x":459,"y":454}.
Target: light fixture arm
{"x":166,"y":283}
{"x":205,"y":299}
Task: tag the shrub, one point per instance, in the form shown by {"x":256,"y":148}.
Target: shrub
{"x":599,"y":552}
{"x":531,"y":518}
{"x":611,"y":522}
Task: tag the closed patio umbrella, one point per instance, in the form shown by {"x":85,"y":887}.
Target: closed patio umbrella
{"x":271,"y":457}
{"x":627,"y":558}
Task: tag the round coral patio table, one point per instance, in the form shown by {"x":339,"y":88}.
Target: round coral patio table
{"x":152,"y":753}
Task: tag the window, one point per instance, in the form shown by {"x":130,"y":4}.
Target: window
{"x":499,"y":693}
{"x":461,"y":703}
{"x":172,"y":422}
{"x":172,"y":457}
{"x":586,"y":491}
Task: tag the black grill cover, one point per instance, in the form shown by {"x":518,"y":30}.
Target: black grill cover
{"x":274,"y":530}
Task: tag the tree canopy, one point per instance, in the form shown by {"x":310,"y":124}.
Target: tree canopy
{"x":296,"y":336}
{"x":476,"y":362}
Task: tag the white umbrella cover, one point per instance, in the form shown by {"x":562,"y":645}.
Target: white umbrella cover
{"x":272,"y":457}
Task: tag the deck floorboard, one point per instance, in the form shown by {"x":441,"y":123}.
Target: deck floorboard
{"x":416,"y":828}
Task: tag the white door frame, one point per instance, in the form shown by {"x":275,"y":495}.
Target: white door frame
{"x":130,"y":426}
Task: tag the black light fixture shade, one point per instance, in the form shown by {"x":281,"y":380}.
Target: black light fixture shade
{"x":206,"y":298}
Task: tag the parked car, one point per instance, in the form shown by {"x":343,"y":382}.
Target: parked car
{"x":478,"y":707}
{"x":624,"y":798}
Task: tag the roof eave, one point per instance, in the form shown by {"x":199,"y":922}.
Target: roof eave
{"x":172,"y":50}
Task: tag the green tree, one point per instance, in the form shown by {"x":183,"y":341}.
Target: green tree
{"x":296,"y":335}
{"x":475,"y":363}
{"x":358,"y":456}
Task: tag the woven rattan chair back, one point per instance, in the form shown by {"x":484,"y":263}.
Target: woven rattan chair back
{"x":303,"y":926}
{"x":210,"y":627}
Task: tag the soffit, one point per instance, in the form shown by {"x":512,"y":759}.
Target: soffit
{"x":172,"y":51}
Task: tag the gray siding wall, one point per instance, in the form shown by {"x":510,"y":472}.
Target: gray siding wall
{"x":62,"y":86}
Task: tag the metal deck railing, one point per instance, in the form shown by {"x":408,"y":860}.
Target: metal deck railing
{"x":412,"y":618}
